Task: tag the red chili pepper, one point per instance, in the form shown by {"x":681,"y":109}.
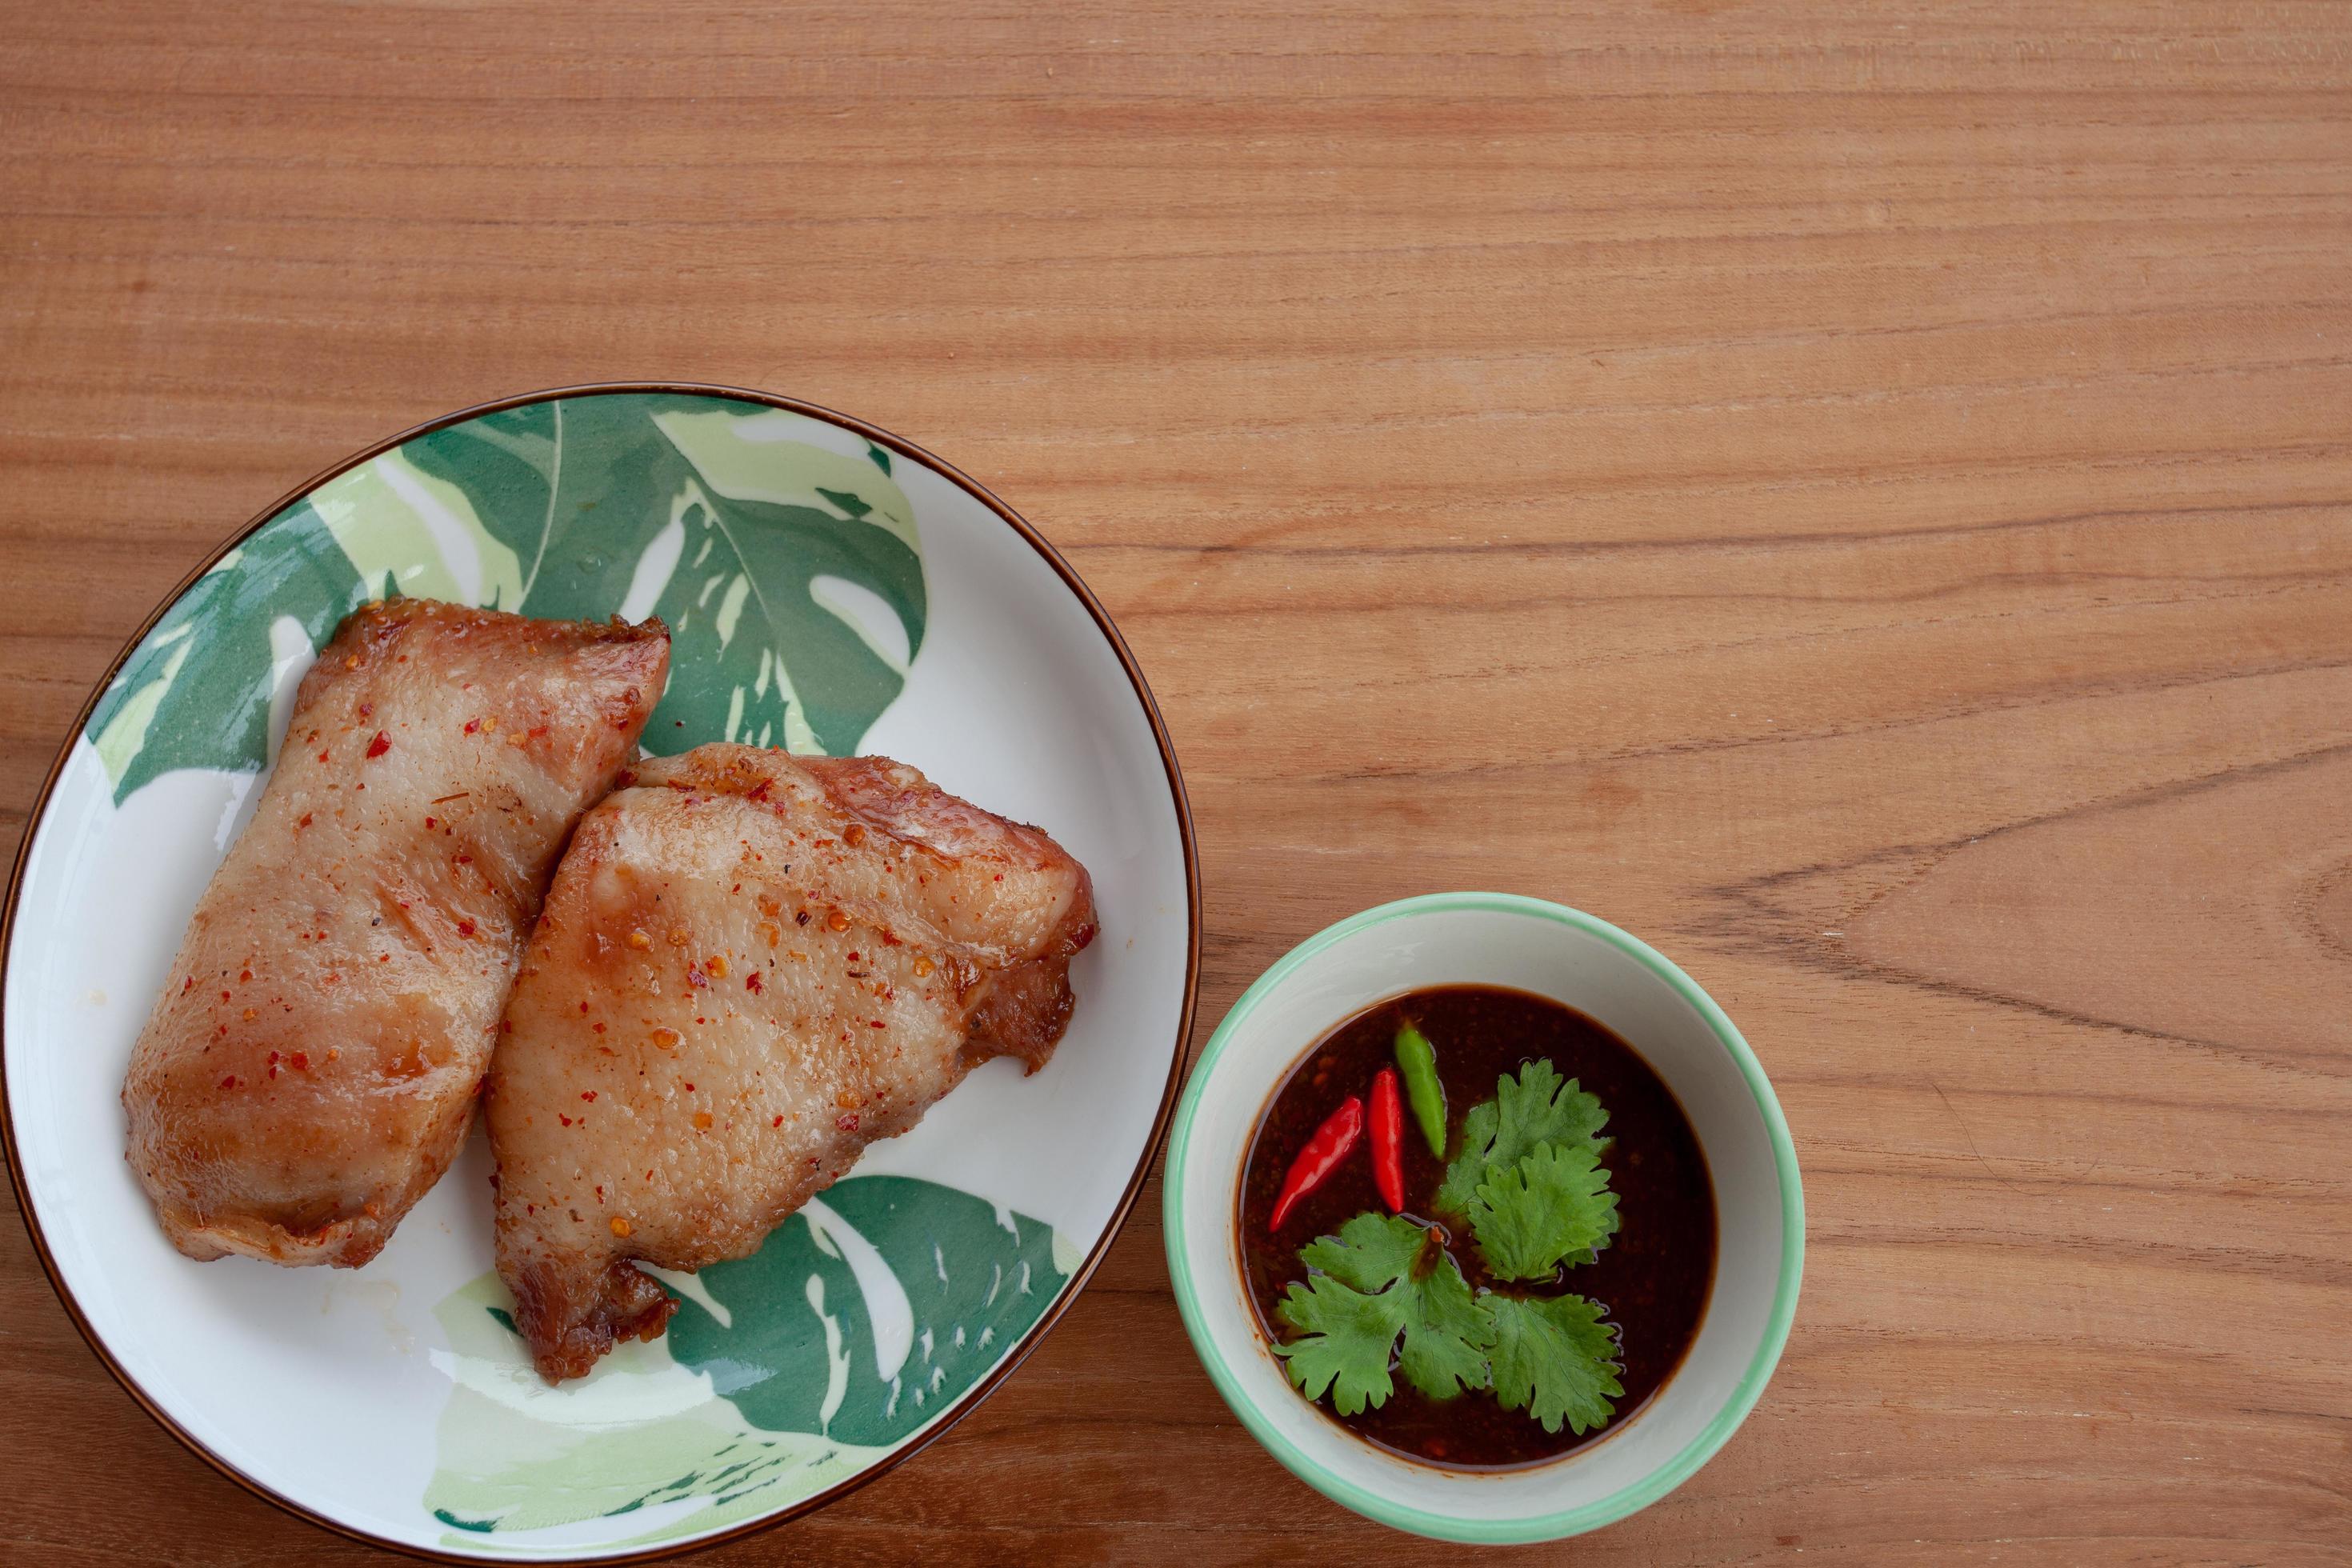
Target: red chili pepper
{"x":1388,"y":1139}
{"x":1332,"y":1142}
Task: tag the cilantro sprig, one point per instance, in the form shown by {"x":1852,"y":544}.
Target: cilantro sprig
{"x":1555,"y":1359}
{"x":1381,"y":1278}
{"x":1386,"y":1295}
{"x":1536,"y":1108}
{"x":1528,"y":1177}
{"x":1552,"y":1207}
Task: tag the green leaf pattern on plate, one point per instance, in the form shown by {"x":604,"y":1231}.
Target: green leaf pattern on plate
{"x":642,"y":1440}
{"x":195,"y":693}
{"x":769,"y":1386}
{"x":870,"y":1311}
{"x":780,"y":550}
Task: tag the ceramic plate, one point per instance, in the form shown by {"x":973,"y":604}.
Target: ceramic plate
{"x":830,"y":588}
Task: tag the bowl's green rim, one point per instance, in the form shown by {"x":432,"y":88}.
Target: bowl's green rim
{"x":1387,"y":1511}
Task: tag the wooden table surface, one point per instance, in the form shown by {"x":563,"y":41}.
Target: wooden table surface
{"x":1860,"y":495}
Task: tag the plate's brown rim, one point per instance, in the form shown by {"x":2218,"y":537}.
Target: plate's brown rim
{"x":1078,"y":1281}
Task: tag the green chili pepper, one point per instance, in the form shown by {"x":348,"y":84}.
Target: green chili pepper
{"x":1418,"y":1062}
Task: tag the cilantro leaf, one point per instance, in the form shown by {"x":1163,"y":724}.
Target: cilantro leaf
{"x":1345,"y":1339}
{"x":1371,"y":1252}
{"x":1531,"y":1110}
{"x":1555,"y":1359}
{"x":1553,"y":1205}
{"x":1445,"y":1352}
{"x":1379,"y":1277}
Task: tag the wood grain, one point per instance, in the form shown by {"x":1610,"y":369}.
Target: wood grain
{"x":1861,"y":496}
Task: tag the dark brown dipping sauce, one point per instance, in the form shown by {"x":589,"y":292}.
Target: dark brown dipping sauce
{"x":1653,"y":1278}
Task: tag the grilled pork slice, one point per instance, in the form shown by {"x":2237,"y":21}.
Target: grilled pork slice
{"x":751,"y":967}
{"x":311,"y":1067}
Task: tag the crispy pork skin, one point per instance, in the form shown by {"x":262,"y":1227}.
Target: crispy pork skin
{"x":312,"y":1067}
{"x":751,"y":967}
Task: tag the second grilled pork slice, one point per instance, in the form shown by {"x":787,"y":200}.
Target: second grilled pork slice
{"x":310,"y":1068}
{"x":751,"y":967}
